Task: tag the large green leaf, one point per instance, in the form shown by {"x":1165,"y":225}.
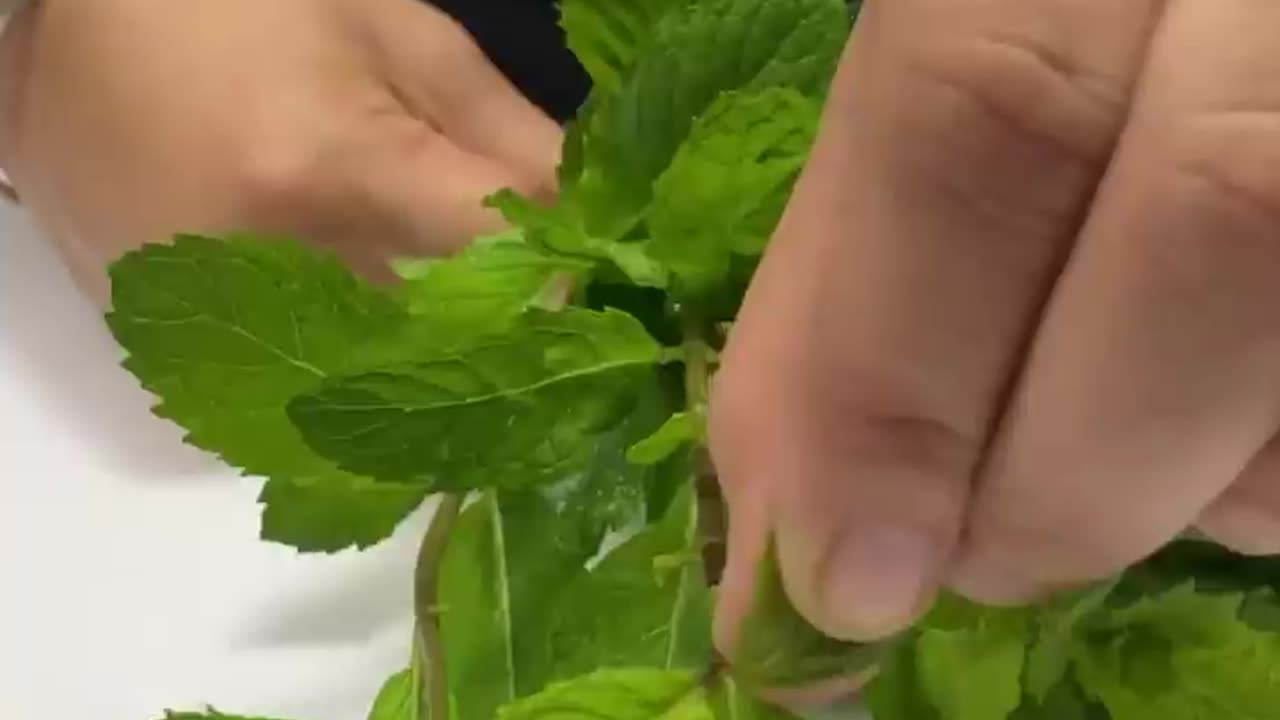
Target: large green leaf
{"x":507,"y":562}
{"x":226,"y":333}
{"x":645,"y":604}
{"x":512,"y":411}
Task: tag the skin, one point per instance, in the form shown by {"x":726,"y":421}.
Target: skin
{"x":372,"y":126}
{"x":1036,"y":335}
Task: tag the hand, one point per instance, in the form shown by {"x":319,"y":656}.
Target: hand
{"x":372,"y":126}
{"x":1021,"y":324}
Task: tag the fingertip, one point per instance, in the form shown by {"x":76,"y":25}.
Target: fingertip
{"x":866,"y":582}
{"x":1245,"y":528}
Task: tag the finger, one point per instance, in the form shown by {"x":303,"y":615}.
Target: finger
{"x":443,"y":75}
{"x":394,"y":188}
{"x":1247,"y":517}
{"x":962,"y":142}
{"x":1156,"y":377}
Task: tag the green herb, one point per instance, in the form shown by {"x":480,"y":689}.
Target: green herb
{"x":549,"y":385}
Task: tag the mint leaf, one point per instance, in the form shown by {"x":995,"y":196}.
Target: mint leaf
{"x":697,"y":53}
{"x":729,"y":182}
{"x":398,"y":699}
{"x":1058,"y":625}
{"x":226,"y":334}
{"x":328,"y":514}
{"x":680,"y":429}
{"x":607,"y":36}
{"x":484,"y":288}
{"x":208,"y":715}
{"x":779,"y":648}
{"x":645,"y":604}
{"x":621,"y":694}
{"x":1064,"y":701}
{"x":508,"y":559}
{"x":897,"y":693}
{"x":562,"y":233}
{"x":974,"y":673}
{"x":512,"y":411}
{"x":1181,"y":655}
{"x":729,"y":701}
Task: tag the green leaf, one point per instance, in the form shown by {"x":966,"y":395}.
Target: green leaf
{"x":562,"y":233}
{"x":1181,"y":655}
{"x":483,"y":289}
{"x":323,"y":515}
{"x":697,"y":53}
{"x":729,"y":182}
{"x":896,"y":693}
{"x":398,"y":699}
{"x":1058,"y":626}
{"x":607,"y":36}
{"x":729,"y":701}
{"x":974,"y":673}
{"x":645,"y":604}
{"x":508,"y":559}
{"x":208,"y":715}
{"x":779,"y":648}
{"x":622,"y":694}
{"x":1064,"y":701}
{"x":680,"y":429}
{"x":513,"y":411}
{"x":226,"y":333}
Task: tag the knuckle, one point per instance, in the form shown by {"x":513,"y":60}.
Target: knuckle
{"x":1040,"y":540}
{"x":277,"y":170}
{"x":876,"y":426}
{"x":1232,"y":160}
{"x":1013,"y":87}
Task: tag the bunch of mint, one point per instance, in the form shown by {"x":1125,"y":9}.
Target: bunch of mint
{"x":548,"y":384}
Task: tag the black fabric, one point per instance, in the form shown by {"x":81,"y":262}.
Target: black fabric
{"x":524,"y":39}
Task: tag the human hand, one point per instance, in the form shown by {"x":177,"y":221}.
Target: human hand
{"x":372,"y":126}
{"x":1019,"y":326}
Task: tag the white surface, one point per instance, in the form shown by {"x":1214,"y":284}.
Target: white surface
{"x":131,"y":579}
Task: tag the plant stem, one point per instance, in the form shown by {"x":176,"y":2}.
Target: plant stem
{"x":711,"y":511}
{"x":435,"y":697}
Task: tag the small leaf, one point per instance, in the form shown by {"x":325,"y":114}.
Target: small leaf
{"x":681,"y":429}
{"x":514,"y":411}
{"x":779,"y":648}
{"x":608,"y":36}
{"x":483,"y":289}
{"x":208,"y":715}
{"x":729,"y":701}
{"x":618,"y":694}
{"x":896,"y":693}
{"x":562,"y":233}
{"x":398,"y":699}
{"x":974,"y":673}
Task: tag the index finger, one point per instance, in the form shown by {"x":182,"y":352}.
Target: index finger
{"x":959,"y":152}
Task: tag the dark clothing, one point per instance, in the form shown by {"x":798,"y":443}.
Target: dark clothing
{"x":523,"y":38}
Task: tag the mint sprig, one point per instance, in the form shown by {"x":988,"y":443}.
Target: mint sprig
{"x":549,"y":384}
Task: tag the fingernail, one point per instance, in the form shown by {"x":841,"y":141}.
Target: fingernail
{"x":1246,"y":529}
{"x":876,"y":581}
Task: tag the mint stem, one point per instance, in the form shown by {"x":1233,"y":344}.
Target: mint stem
{"x":428,"y":645}
{"x":711,"y":510}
